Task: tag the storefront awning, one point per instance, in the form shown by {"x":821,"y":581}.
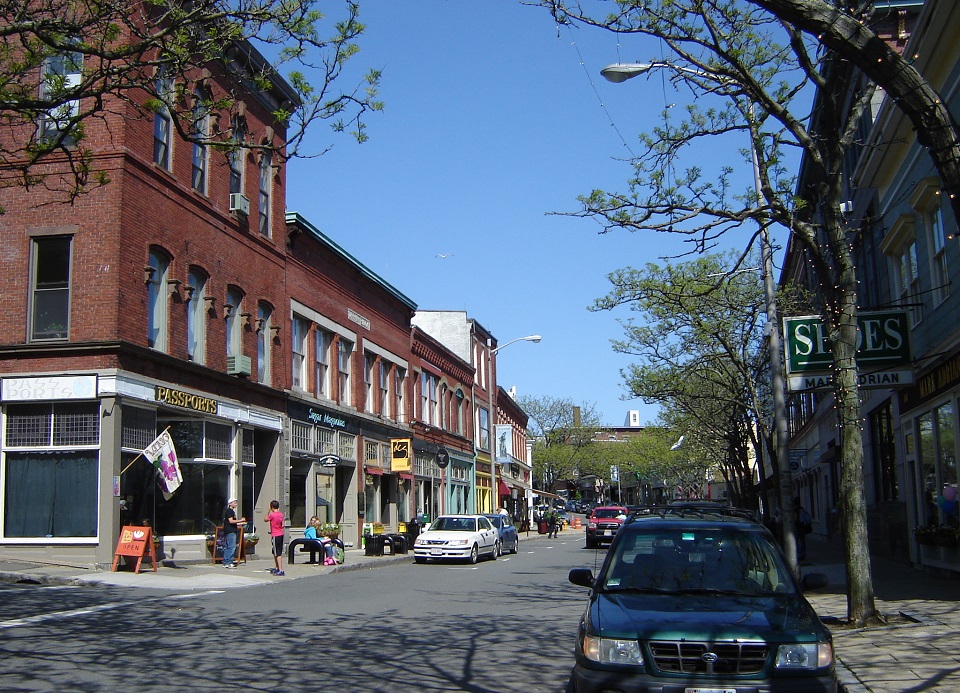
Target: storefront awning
{"x":405,"y":475}
{"x":502,"y":488}
{"x":374,"y":471}
{"x":546,"y":494}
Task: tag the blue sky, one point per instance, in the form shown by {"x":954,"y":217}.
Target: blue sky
{"x":494,"y":119}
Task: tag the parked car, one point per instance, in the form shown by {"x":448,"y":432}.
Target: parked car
{"x":603,"y":523}
{"x":699,"y":600}
{"x":509,"y":538}
{"x":459,"y":537}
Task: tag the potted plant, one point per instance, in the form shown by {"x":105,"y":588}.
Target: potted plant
{"x":330,"y":529}
{"x":250,"y":540}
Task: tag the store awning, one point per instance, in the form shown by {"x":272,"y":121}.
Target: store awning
{"x":546,"y":494}
{"x":502,"y":488}
{"x":405,"y":475}
{"x":374,"y":471}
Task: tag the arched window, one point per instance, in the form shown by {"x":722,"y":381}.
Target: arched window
{"x":197,"y":316}
{"x":264,"y":314}
{"x":157,"y":301}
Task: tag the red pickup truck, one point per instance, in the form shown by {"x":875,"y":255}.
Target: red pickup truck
{"x":604,"y":523}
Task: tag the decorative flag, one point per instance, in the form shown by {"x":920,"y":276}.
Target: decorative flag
{"x":163,"y":456}
{"x":676,"y":446}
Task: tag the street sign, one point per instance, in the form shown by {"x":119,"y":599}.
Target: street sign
{"x":883,"y":351}
{"x":400,"y":454}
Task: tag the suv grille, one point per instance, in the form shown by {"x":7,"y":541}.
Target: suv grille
{"x":689,"y":657}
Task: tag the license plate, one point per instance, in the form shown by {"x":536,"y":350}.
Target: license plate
{"x":436,"y":552}
{"x":609,"y":533}
{"x":709,"y":690}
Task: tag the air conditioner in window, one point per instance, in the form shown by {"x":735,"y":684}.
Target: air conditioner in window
{"x":239,"y":204}
{"x":238,"y":365}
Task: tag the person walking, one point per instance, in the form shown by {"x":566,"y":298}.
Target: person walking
{"x":553,"y":524}
{"x":231,"y":532}
{"x":275,"y":519}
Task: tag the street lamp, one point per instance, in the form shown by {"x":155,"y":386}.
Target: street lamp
{"x":621,"y":72}
{"x":492,"y":398}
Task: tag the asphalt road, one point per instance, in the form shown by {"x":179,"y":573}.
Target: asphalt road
{"x":498,"y":626}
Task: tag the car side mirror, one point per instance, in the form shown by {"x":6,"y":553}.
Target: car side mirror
{"x":582,"y":577}
{"x":814,"y":581}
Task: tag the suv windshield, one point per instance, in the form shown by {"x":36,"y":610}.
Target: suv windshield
{"x":693,"y":560}
{"x":607,"y":512}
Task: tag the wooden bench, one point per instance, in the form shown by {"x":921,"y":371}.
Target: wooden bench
{"x":313,"y":547}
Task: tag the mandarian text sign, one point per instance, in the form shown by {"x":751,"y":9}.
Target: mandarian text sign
{"x":883,"y":350}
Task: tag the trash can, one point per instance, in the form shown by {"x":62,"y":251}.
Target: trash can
{"x":543,"y":527}
{"x":413,"y":531}
{"x":373,"y":544}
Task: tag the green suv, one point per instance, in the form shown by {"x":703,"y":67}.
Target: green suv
{"x":698,"y":599}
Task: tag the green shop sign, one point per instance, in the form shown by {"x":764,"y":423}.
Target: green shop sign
{"x":883,"y":351}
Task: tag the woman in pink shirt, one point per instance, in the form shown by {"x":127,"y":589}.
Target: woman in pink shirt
{"x":275,"y":520}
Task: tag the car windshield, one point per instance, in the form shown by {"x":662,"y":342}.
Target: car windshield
{"x":696,"y":560}
{"x":608,"y":512}
{"x":454,"y":524}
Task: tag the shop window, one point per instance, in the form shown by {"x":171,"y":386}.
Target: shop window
{"x":886,"y":459}
{"x":52,"y":425}
{"x":347,"y":446}
{"x":50,"y":288}
{"x":326,"y":441}
{"x":139,"y":428}
{"x":300,"y":436}
{"x":248,"y":449}
{"x":50,"y":494}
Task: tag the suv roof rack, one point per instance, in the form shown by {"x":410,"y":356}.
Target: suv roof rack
{"x":699,"y":509}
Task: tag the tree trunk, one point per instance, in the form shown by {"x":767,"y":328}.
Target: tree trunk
{"x":861,"y":606}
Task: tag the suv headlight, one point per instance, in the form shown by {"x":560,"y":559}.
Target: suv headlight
{"x":804,"y":656}
{"x":612,"y":651}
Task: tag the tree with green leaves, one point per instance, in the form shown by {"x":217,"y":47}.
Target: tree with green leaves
{"x":562,"y":433}
{"x":64,"y":64}
{"x":752,"y":72}
{"x":699,"y":338}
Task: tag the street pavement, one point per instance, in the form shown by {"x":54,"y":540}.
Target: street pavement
{"x":919,"y":649}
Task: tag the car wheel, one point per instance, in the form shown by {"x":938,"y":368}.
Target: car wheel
{"x":591,"y":545}
{"x":420,"y":559}
{"x":516,"y":546}
{"x":496,"y":551}
{"x":474,"y":554}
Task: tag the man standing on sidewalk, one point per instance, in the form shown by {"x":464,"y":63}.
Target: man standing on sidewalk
{"x":231,"y":532}
{"x":275,"y":519}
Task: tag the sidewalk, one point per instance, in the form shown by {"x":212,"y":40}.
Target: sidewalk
{"x":918,"y":651}
{"x":177,"y":575}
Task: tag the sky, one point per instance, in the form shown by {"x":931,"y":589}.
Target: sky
{"x":495,"y":119}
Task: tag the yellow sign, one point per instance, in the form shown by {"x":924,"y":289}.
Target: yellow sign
{"x":400,"y":454}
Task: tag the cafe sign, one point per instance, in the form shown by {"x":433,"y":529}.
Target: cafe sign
{"x":883,"y":351}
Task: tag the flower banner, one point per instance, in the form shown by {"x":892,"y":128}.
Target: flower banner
{"x":163,"y":456}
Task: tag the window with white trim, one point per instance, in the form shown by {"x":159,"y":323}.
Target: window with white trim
{"x":369,"y":370}
{"x":197,"y":316}
{"x":344,"y":355}
{"x":264,"y":350}
{"x":201,"y":131}
{"x":385,"y":388}
{"x":400,"y":379}
{"x":298,"y":345}
{"x":50,"y":276}
{"x":162,"y":120}
{"x":322,"y":362}
{"x":233,"y":307}
{"x":61,"y":74}
{"x":51,"y":468}
{"x":237,"y":154}
{"x":266,"y":162}
{"x":157,"y":303}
